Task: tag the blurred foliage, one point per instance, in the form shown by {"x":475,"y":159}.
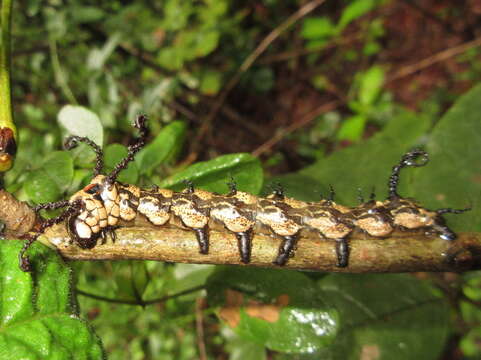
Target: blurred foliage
{"x":87,"y":68}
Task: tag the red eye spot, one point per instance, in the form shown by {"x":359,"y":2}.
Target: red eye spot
{"x":91,"y":188}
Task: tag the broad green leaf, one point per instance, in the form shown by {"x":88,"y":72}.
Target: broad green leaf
{"x":58,"y":165}
{"x":197,"y":43}
{"x":317,"y":27}
{"x":352,"y":128}
{"x":355,"y":10}
{"x":86,"y":14}
{"x":164,"y":148}
{"x":98,"y":57}
{"x":370,"y":85}
{"x":210,"y":82}
{"x":367,"y":164}
{"x":385,"y":317}
{"x":298,"y":186}
{"x":80,"y":121}
{"x":213,"y":175}
{"x":41,"y":188}
{"x":170,"y":58}
{"x":113,"y":154}
{"x":469,"y":344}
{"x":452,"y":177}
{"x":37,"y":316}
{"x":279,"y":309}
{"x":241,"y":349}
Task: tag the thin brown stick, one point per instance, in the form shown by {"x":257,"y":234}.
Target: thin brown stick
{"x":288,"y":55}
{"x":433,"y":59}
{"x":306,"y":119}
{"x":140,"y":302}
{"x":264,"y":44}
{"x":199,"y":325}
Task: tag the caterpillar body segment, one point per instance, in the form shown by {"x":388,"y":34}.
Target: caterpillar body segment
{"x":100,"y":206}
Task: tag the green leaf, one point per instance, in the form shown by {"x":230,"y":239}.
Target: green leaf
{"x":353,"y":11}
{"x":86,"y":14}
{"x":80,"y":121}
{"x":385,"y":317}
{"x":210,"y":82}
{"x":317,"y":27}
{"x":170,"y":58}
{"x":197,"y":43}
{"x":369,"y":163}
{"x":41,"y":188}
{"x":452,"y":176}
{"x":58,"y":165}
{"x":279,"y":309}
{"x":164,"y":148}
{"x":113,"y":154}
{"x":352,"y":128}
{"x":370,"y":85}
{"x":37,"y":315}
{"x":241,"y":349}
{"x":213,"y":175}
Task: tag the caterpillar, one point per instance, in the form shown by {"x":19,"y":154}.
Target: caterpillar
{"x":97,"y":209}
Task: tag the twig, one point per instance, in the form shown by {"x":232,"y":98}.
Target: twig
{"x":402,"y":252}
{"x":199,"y":325}
{"x":287,"y":55}
{"x":140,"y":302}
{"x":431,"y":16}
{"x":271,"y":37}
{"x":438,"y":57}
{"x":306,"y":119}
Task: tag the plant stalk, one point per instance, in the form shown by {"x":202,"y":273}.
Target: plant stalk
{"x":8,"y":132}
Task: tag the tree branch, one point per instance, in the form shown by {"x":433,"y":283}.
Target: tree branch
{"x":402,"y":252}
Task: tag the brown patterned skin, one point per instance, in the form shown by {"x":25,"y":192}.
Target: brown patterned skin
{"x":243,"y":214}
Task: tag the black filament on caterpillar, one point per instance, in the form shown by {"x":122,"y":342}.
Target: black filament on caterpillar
{"x":95,"y":210}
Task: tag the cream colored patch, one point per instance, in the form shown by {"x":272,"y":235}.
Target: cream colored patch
{"x":412,"y":221}
{"x":83,"y":230}
{"x":231,"y":218}
{"x":189,"y":215}
{"x":277,"y":221}
{"x":374,"y":226}
{"x":150,"y":207}
{"x":246,"y":198}
{"x":328,"y":226}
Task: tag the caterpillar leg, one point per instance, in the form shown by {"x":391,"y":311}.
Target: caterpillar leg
{"x":108,"y":231}
{"x":342,"y":252}
{"x":286,"y":249}
{"x":23,"y":259}
{"x":202,"y":236}
{"x":244,"y":241}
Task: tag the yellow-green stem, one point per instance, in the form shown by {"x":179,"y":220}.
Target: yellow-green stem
{"x":6,"y":114}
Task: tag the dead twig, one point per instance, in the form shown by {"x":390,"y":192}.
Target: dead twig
{"x":199,"y":325}
{"x":433,"y":59}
